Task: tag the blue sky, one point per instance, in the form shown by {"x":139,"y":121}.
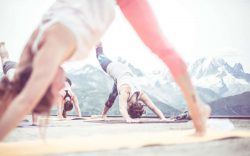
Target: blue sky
{"x":196,"y":29}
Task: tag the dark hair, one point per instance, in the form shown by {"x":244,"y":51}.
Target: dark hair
{"x":69,"y":81}
{"x":68,"y":106}
{"x":5,"y":86}
{"x":10,"y":89}
{"x":136,"y":109}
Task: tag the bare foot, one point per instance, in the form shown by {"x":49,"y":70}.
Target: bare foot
{"x":205,"y":113}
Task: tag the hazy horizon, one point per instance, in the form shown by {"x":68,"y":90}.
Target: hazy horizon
{"x":195,"y":28}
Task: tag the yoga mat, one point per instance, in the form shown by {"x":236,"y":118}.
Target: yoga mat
{"x":79,"y":118}
{"x":141,"y":121}
{"x":120,"y":120}
{"x":115,"y":141}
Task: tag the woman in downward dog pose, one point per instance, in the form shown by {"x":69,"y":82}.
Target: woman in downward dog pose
{"x":68,"y":31}
{"x":131,"y":97}
{"x":67,"y":100}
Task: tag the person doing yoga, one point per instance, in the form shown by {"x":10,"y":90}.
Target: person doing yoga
{"x":67,"y":100}
{"x":131,"y":97}
{"x":68,"y":31}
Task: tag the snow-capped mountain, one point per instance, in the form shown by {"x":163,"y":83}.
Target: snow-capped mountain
{"x":92,"y":87}
{"x":217,"y":75}
{"x":207,"y":66}
{"x":213,"y":78}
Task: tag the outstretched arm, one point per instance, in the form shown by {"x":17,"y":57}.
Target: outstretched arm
{"x":60,"y":107}
{"x":123,"y":104}
{"x":58,"y":41}
{"x":76,"y":105}
{"x":124,"y":92}
{"x":109,"y":103}
{"x":151,"y":105}
{"x":31,"y":93}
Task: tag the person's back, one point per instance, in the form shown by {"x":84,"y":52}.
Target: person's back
{"x":117,"y":70}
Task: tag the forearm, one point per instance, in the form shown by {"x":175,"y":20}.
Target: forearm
{"x":123,"y":109}
{"x":105,"y":110}
{"x":124,"y":113}
{"x":151,"y":105}
{"x":13,"y":115}
{"x":159,"y":113}
{"x":78,"y":111}
{"x":22,"y":104}
{"x":27,"y":99}
{"x":60,"y":109}
{"x":77,"y":108}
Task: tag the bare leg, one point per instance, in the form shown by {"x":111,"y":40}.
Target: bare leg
{"x":198,"y":110}
{"x":142,"y":19}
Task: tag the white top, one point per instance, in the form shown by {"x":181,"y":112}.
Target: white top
{"x":87,"y":19}
{"x":117,"y":70}
{"x":123,"y":75}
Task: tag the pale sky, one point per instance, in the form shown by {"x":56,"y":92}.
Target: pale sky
{"x":196,"y":28}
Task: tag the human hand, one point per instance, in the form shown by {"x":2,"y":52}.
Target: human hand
{"x":98,"y":117}
{"x":167,"y":119}
{"x":105,"y":117}
{"x":61,"y":118}
{"x":163,"y":119}
{"x":129,"y":120}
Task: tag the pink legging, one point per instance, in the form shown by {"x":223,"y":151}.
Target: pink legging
{"x":142,"y":19}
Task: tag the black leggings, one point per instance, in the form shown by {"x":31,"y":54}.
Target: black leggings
{"x":103,"y":60}
{"x":8,"y":65}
